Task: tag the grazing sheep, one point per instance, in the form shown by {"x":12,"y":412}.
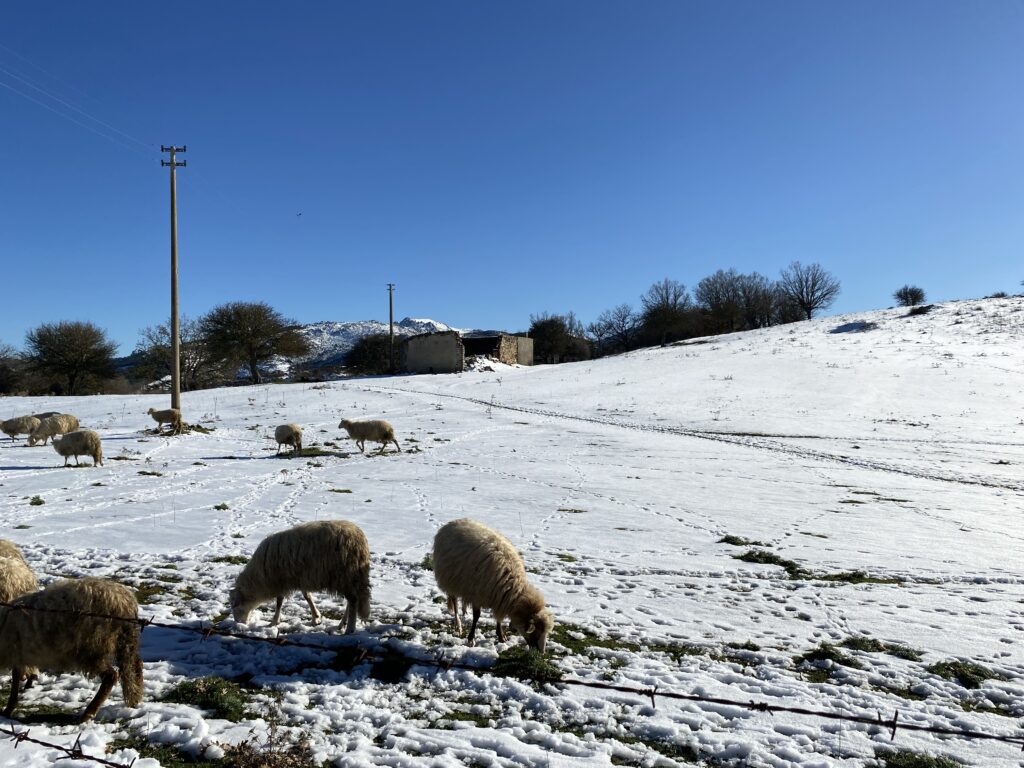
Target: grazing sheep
{"x":170,"y":416}
{"x":16,"y":578}
{"x":45,"y":629}
{"x":289,"y":434}
{"x":19,"y":425}
{"x":482,"y":567}
{"x":377,"y":430}
{"x":60,"y":424}
{"x":324,"y":556}
{"x":83,"y":442}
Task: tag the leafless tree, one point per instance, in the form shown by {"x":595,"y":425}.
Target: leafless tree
{"x":665,"y":306}
{"x":909,"y":296}
{"x":200,"y":367}
{"x":810,"y":287}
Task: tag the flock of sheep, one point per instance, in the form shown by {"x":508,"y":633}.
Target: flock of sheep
{"x":65,"y":626}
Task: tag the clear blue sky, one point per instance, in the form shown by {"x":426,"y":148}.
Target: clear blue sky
{"x":497,"y":160}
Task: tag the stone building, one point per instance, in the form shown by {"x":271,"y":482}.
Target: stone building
{"x":446,"y":351}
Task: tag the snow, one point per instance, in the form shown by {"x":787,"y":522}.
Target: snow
{"x":892,"y":447}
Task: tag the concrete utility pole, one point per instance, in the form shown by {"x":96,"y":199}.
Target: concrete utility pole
{"x":175,"y":334}
{"x":391,"y":326}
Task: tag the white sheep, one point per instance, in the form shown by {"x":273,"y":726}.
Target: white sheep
{"x":16,"y":577}
{"x":19,"y":425}
{"x":46,"y":629}
{"x":481,"y":566}
{"x":322,"y":556}
{"x":377,"y":430}
{"x":60,"y":424}
{"x":170,"y":416}
{"x":289,"y":434}
{"x":81,"y":442}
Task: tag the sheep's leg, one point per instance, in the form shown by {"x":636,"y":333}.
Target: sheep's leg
{"x":382,"y":447}
{"x":277,"y":612}
{"x":350,"y":614}
{"x":361,"y":445}
{"x":12,"y":700}
{"x":397,"y":445}
{"x":30,"y":680}
{"x":107,"y":681}
{"x":472,"y":628}
{"x":312,"y":607}
{"x":76,"y":461}
{"x":499,"y":620}
{"x":453,"y":605}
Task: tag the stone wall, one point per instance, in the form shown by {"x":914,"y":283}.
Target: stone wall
{"x":433,"y":353}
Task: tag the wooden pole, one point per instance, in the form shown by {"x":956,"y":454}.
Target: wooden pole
{"x":175,"y":330}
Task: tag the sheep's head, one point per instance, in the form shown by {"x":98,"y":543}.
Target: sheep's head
{"x":151,"y":411}
{"x":240,"y":607}
{"x":535,"y":628}
{"x":345,"y":424}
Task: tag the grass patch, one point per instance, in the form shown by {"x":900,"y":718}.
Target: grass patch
{"x":148,"y":593}
{"x":427,"y":563}
{"x":480,"y":721}
{"x":36,"y":501}
{"x":744,"y":646}
{"x":986,"y":709}
{"x":313,"y":452}
{"x":222,"y":698}
{"x":21,"y":527}
{"x":339,"y":490}
{"x":571,"y":511}
{"x":827,"y":652}
{"x":168,"y":756}
{"x":122,"y":458}
{"x":221,"y":506}
{"x":232,"y":559}
{"x":871,"y":645}
{"x":856,"y":577}
{"x":904,"y":758}
{"x":903,"y":693}
{"x":97,"y":484}
{"x":678,"y":652}
{"x":578,"y":640}
{"x":525,"y":664}
{"x":566,"y":558}
{"x":967,"y":673}
{"x":739,"y":541}
{"x":150,"y":473}
{"x":763,"y":557}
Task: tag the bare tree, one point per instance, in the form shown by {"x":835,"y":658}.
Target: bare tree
{"x":251,"y":333}
{"x":720,"y":297}
{"x":757,"y":300}
{"x":909,"y":296}
{"x":11,"y":373}
{"x":73,"y":353}
{"x":200,"y":367}
{"x":810,"y":287}
{"x":665,"y":306}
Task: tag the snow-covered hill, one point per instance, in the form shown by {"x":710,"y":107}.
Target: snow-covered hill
{"x":331,"y":341}
{"x":826,"y":514}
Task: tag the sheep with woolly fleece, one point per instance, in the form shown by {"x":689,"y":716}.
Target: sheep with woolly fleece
{"x":16,"y":577}
{"x":481,"y":566}
{"x":19,"y":425}
{"x":81,"y":442}
{"x":46,"y":629}
{"x":322,"y":556}
{"x":46,"y":414}
{"x":289,"y":434}
{"x":377,"y":430}
{"x":170,"y":416}
{"x":60,"y":424}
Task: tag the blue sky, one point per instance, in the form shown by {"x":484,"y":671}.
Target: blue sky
{"x":497,"y":160}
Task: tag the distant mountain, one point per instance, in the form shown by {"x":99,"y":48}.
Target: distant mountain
{"x":330,"y":341}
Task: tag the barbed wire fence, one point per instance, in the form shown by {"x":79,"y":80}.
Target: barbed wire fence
{"x":392,"y":664}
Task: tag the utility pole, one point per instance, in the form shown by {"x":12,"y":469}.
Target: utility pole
{"x":391,"y":325}
{"x":175,"y":334}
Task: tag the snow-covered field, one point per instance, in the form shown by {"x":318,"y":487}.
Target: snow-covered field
{"x":893,"y":448}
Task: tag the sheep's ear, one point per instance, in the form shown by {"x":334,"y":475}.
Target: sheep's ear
{"x":532,"y":627}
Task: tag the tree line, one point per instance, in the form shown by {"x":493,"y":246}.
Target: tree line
{"x":723,"y":302}
{"x":73,"y":357}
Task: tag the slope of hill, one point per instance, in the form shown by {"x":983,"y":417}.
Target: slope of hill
{"x":823,"y":515}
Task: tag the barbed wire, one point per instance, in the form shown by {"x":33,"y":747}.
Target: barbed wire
{"x":355,"y":655}
{"x":74,"y":751}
